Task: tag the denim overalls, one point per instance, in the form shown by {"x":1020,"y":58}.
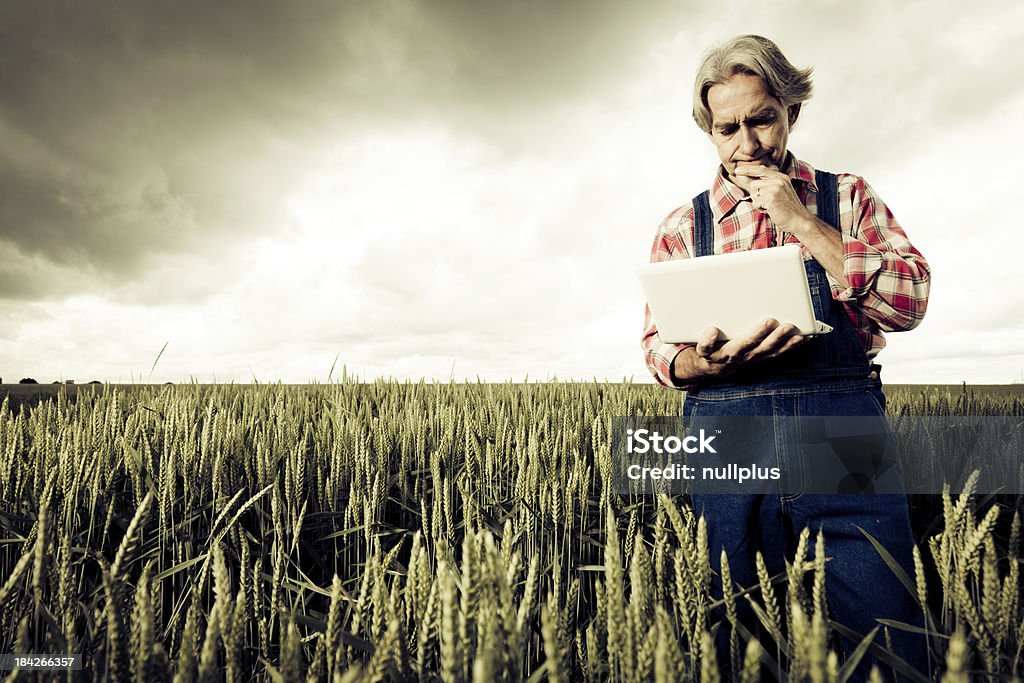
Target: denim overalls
{"x":829,"y":375}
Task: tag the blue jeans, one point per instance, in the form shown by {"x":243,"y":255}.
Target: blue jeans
{"x":860,"y":586}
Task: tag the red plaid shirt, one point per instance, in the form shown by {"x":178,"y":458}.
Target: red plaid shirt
{"x":889,"y":279}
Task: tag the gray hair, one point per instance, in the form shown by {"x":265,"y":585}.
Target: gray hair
{"x":752,"y":55}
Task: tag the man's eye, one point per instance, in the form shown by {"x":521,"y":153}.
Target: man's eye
{"x":727,"y":131}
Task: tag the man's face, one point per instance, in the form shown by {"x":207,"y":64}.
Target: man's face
{"x":748,"y":125}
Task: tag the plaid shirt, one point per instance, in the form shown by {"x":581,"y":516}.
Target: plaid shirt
{"x":889,"y":279}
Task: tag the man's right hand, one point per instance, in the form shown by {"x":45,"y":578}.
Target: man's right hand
{"x":715,"y":357}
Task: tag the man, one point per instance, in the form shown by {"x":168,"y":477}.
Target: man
{"x":865,"y":278}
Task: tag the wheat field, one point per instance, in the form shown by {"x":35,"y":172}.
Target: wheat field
{"x":414,"y":531}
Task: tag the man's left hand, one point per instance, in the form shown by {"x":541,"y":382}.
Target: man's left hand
{"x":772,"y":192}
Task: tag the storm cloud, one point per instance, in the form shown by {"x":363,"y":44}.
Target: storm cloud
{"x":134,"y":130}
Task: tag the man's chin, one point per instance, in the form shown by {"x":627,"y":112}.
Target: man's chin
{"x":763,"y":161}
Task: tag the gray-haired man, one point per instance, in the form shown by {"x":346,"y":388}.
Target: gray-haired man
{"x":866,"y":278}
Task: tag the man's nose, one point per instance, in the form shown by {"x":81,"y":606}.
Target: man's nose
{"x":749,"y":144}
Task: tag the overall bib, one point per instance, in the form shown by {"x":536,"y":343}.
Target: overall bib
{"x":829,"y":375}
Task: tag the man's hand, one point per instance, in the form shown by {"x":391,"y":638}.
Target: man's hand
{"x":715,"y":357}
{"x":772,"y":192}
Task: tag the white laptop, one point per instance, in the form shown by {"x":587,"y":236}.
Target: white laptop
{"x":733,"y":292}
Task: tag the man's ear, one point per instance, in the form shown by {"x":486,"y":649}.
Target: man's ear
{"x":794,"y":112}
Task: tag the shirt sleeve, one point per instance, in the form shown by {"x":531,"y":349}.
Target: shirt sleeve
{"x":668,"y":244}
{"x":889,"y":278}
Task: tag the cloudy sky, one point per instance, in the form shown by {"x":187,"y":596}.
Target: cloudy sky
{"x":436,"y":189}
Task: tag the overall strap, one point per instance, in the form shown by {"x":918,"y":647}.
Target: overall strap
{"x":828,"y":197}
{"x":703,"y":226}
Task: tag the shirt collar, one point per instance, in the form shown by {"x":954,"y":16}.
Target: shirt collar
{"x":725,"y":194}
